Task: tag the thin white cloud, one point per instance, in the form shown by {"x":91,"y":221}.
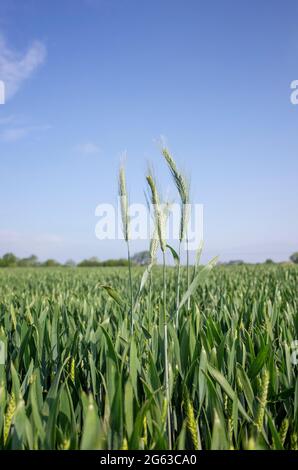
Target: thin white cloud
{"x":11,"y":237}
{"x":8,"y":236}
{"x":6,"y":120}
{"x":88,"y":148}
{"x":13,"y":134}
{"x":15,"y":68}
{"x":23,"y":244}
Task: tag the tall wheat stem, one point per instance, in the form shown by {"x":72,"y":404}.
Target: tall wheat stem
{"x":160,"y":219}
{"x":130,"y":287}
{"x":125,"y":222}
{"x":182,"y":185}
{"x":166,"y":367}
{"x":178,"y":286}
{"x":187,"y":270}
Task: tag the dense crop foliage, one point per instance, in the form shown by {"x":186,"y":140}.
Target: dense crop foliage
{"x":76,"y":377}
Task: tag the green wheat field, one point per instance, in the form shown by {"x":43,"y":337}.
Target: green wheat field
{"x":82,"y":373}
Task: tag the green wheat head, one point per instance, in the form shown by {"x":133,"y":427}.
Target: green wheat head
{"x":9,"y":416}
{"x":264,"y":385}
{"x":158,"y":212}
{"x":283,"y":430}
{"x":182,"y":186}
{"x":123,"y":202}
{"x":191,"y":421}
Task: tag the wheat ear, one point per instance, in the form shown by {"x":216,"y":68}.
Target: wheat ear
{"x":191,"y":421}
{"x":9,"y":416}
{"x":158,"y":212}
{"x":262,"y":400}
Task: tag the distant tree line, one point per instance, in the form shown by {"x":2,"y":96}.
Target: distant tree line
{"x":293,"y":258}
{"x":95,"y":262}
{"x":9,"y":260}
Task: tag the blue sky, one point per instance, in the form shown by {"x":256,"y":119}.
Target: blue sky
{"x":86,"y":79}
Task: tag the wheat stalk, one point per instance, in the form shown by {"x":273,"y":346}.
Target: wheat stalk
{"x":160,"y":221}
{"x":191,"y":421}
{"x":9,"y":416}
{"x":72,"y":370}
{"x":264,"y":385}
{"x":158,"y":212}
{"x":125,"y":222}
{"x":182,"y":185}
{"x":123,"y":202}
{"x":283,"y":430}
